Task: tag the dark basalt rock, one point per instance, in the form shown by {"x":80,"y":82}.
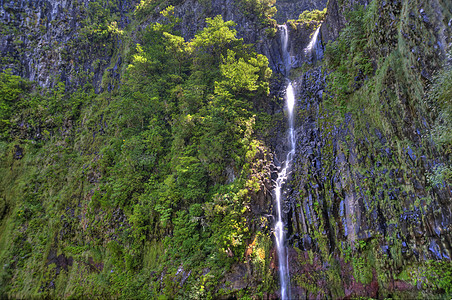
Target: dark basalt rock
{"x":355,"y":186}
{"x":43,"y":42}
{"x":61,"y":261}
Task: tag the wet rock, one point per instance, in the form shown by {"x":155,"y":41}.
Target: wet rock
{"x":236,"y":279}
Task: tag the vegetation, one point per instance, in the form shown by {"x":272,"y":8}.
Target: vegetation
{"x":263,"y":10}
{"x":154,"y":185}
{"x":309,"y":19}
{"x":441,"y":101}
{"x":10,"y":86}
{"x":314,"y":15}
{"x":348,"y":56}
{"x":149,"y":167}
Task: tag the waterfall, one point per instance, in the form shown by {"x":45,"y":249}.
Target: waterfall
{"x":283,"y":262}
{"x":285,"y":55}
{"x":313,"y":41}
{"x":283,"y":259}
{"x":314,"y":46}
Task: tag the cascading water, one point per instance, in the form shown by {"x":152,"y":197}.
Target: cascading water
{"x":285,"y":49}
{"x":314,"y":50}
{"x":283,"y":260}
{"x":283,"y":263}
{"x":313,"y":41}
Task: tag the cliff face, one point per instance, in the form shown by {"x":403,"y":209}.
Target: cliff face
{"x":69,"y":41}
{"x":161,"y":183}
{"x":290,"y":10}
{"x":361,"y":207}
{"x":75,"y":42}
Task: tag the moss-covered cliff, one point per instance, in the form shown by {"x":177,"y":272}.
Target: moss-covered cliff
{"x":369,"y":207}
{"x":140,"y":141}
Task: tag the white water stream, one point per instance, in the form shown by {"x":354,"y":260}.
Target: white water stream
{"x":283,"y":263}
{"x":283,"y":260}
{"x":313,"y":41}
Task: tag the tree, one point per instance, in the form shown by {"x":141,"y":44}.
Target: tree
{"x":214,"y":41}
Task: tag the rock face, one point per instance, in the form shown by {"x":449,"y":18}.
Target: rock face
{"x":359,"y":204}
{"x":362,"y":217}
{"x":57,"y":40}
{"x":290,"y":9}
{"x":61,"y":40}
{"x":193,"y":14}
{"x":48,"y":40}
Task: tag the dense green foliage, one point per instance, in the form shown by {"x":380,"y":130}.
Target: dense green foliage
{"x":157,"y":186}
{"x":309,"y":19}
{"x":263,"y":10}
{"x":141,"y":180}
{"x":10,"y":86}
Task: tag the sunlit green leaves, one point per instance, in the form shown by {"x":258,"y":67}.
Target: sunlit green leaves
{"x":239,"y":75}
{"x":215,"y":37}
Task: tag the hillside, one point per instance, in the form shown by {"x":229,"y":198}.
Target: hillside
{"x":214,"y":149}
